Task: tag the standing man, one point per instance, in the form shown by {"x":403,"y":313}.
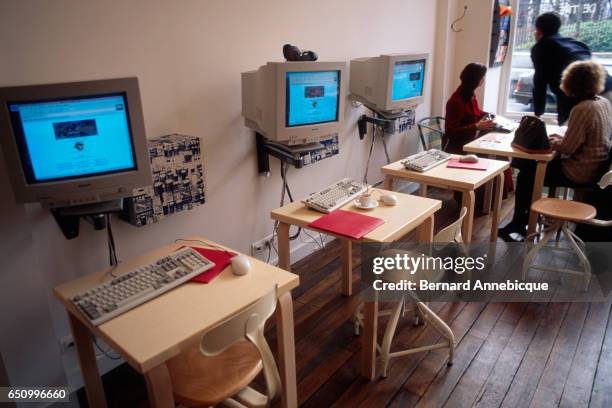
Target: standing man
{"x":550,"y":55}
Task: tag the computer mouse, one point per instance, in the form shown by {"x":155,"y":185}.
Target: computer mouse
{"x":469,"y":158}
{"x":241,"y":265}
{"x":389,"y":199}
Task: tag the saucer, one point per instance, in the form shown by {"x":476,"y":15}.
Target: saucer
{"x":357,"y":204}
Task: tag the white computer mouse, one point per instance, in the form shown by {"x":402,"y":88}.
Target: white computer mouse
{"x":469,"y":158}
{"x":241,"y":265}
{"x":389,"y":199}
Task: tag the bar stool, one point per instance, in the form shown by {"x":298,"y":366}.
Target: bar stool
{"x":557,"y":214}
{"x":450,"y":234}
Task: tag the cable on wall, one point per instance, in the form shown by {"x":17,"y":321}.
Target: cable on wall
{"x":452,"y":26}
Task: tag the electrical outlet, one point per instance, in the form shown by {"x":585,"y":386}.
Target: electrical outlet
{"x":261,"y":247}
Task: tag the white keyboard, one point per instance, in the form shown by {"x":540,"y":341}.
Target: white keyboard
{"x":335,"y":196}
{"x":504,"y":125}
{"x":125,"y":292}
{"x":426,"y":160}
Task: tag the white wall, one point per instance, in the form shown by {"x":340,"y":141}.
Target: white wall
{"x":457,"y":49}
{"x":188,"y":56}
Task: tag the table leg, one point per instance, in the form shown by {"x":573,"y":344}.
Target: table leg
{"x":284,"y":256}
{"x":488,"y":194}
{"x":499,"y":189}
{"x":468,"y":200}
{"x":368,"y":338}
{"x":538,"y":184}
{"x":488,"y":197}
{"x":346,"y":257}
{"x":388,"y":184}
{"x":286,"y":350}
{"x":87,"y":362}
{"x":159,"y":387}
{"x":423,"y":190}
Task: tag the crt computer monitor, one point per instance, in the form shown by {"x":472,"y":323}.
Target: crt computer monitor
{"x":295,"y":102}
{"x":74,"y":143}
{"x":390,"y":82}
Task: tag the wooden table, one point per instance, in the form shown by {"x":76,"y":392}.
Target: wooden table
{"x":411,"y":212}
{"x":499,"y":144}
{"x":152,"y":333}
{"x":463,"y":180}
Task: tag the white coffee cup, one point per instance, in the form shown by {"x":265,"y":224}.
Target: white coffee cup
{"x":366,"y":199}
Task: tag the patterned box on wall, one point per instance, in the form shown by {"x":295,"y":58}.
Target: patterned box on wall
{"x":178,"y":180}
{"x":330,"y":147}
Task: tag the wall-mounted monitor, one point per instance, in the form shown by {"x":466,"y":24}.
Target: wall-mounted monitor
{"x":389,"y":82}
{"x":295,"y":102}
{"x":74,"y":143}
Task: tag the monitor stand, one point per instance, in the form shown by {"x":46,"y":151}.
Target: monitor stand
{"x":297,"y":156}
{"x":68,"y":217}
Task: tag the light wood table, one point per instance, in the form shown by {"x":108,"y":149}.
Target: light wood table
{"x":500,"y":144}
{"x":410,"y":213}
{"x":152,"y":333}
{"x":462,"y":180}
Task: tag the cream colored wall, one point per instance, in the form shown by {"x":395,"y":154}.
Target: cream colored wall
{"x":457,"y":49}
{"x":188,"y":55}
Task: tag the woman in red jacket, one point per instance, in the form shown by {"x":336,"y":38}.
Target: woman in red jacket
{"x":463,"y":115}
{"x":465,"y":121}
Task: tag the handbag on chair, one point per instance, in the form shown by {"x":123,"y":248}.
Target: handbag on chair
{"x":531,"y":136}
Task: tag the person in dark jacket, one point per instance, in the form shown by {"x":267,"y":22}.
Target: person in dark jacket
{"x":551,"y":54}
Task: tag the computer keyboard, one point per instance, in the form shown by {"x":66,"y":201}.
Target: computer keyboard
{"x":335,"y":196}
{"x":426,"y":160}
{"x":504,"y":125}
{"x":107,"y":300}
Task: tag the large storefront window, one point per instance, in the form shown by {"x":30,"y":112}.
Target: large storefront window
{"x":589,"y":21}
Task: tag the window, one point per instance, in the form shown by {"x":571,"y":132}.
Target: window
{"x":589,"y":21}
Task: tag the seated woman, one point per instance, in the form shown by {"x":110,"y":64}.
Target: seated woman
{"x":463,"y":115}
{"x":584,"y":149}
{"x":464,"y":120}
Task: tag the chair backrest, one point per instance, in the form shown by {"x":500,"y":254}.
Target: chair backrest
{"x":606,"y":169}
{"x":248,"y":325}
{"x":606,"y":180}
{"x":452,"y":233}
{"x":431,"y":131}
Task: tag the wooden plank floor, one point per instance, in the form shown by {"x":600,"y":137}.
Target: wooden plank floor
{"x":508,"y":354}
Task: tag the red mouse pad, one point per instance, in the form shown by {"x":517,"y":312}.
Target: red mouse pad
{"x":346,"y":223}
{"x":482,"y":164}
{"x":221,"y":259}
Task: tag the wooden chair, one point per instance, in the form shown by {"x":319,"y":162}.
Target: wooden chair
{"x":227,"y":360}
{"x":431,"y":131}
{"x":450,"y":234}
{"x":557,"y":214}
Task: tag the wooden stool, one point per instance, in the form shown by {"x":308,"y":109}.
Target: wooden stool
{"x":558,"y":213}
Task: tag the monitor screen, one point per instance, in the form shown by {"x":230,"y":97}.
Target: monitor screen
{"x":312,"y":97}
{"x":408,"y":77}
{"x":73,"y":138}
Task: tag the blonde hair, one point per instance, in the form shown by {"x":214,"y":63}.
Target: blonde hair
{"x":583,"y":79}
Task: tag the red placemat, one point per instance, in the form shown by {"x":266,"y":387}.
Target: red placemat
{"x":346,"y":223}
{"x":221,"y":259}
{"x":482,"y":164}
